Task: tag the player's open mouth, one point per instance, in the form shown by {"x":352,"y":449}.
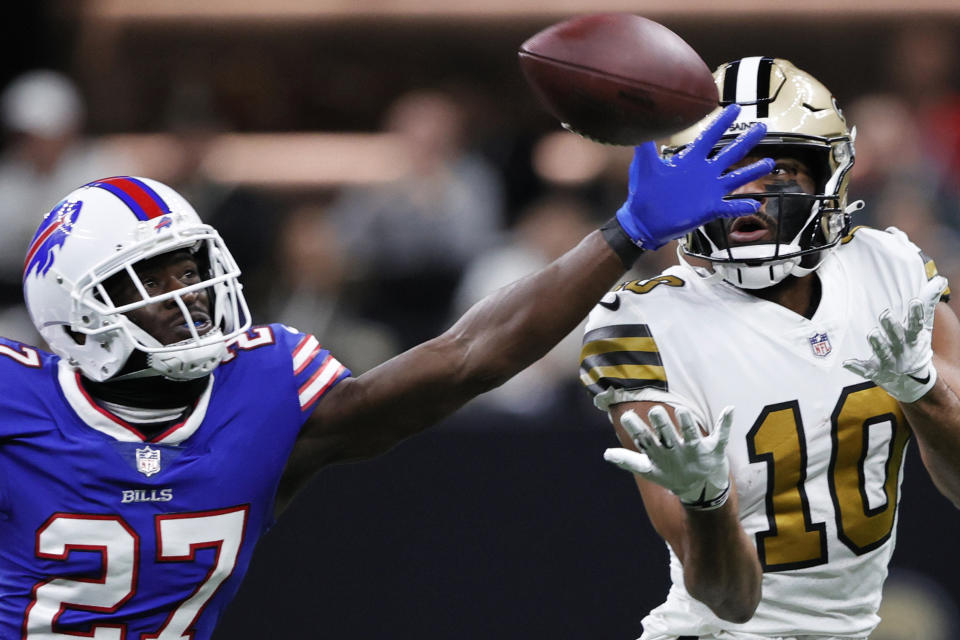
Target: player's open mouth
{"x":748,"y":229}
{"x":200,"y":320}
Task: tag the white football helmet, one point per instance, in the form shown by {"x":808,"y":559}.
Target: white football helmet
{"x":102,"y":229}
{"x":803,"y":119}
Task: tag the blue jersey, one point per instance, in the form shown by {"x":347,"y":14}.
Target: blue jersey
{"x":107,"y":535}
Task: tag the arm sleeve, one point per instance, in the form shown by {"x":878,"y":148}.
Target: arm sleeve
{"x":620,"y":361}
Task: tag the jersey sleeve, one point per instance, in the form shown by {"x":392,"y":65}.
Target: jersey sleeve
{"x":894,"y":247}
{"x":315,"y":370}
{"x":620,"y":360}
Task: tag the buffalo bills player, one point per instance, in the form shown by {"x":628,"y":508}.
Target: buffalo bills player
{"x":140,"y":464}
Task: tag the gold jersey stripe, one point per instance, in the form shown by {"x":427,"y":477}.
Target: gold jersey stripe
{"x":847,"y":238}
{"x":625,"y":372}
{"x":610,"y":345}
{"x":930,"y":267}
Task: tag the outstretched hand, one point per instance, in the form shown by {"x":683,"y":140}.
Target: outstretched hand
{"x":695,"y":468}
{"x":902,"y":360}
{"x":669,"y":198}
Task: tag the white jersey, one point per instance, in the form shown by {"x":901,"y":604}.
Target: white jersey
{"x":816,"y":451}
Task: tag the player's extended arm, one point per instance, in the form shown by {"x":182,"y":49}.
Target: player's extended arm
{"x":515,"y":326}
{"x":920,"y":367}
{"x":688,"y":495}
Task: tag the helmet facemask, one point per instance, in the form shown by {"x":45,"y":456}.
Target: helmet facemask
{"x":101,"y":319}
{"x":800,"y":224}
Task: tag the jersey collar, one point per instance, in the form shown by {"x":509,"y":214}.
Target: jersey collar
{"x":111,"y":425}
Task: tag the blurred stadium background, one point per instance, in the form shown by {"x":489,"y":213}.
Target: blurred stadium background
{"x":376,"y":167}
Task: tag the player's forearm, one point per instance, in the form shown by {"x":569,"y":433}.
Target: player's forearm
{"x":512,"y":328}
{"x":720,"y":564}
{"x":935,"y":421}
{"x":497,"y":338}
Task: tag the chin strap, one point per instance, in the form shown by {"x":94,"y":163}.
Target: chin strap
{"x":745,"y":276}
{"x":189,"y":363}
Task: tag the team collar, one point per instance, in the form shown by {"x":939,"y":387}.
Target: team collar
{"x":111,"y":425}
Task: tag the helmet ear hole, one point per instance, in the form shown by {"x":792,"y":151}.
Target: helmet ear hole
{"x":76,"y":336}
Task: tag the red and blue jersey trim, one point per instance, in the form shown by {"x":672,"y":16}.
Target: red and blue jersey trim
{"x":143,"y":201}
{"x":315,"y":370}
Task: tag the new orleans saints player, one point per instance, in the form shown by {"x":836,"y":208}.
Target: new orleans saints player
{"x":780,"y":516}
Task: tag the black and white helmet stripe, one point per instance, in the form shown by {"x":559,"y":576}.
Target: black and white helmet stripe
{"x":747,"y":82}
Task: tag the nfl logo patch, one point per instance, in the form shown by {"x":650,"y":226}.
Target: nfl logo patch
{"x":148,"y":461}
{"x":820,"y":344}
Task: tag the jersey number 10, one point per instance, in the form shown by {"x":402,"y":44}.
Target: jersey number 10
{"x":793,"y":540}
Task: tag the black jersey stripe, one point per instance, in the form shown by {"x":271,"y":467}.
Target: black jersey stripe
{"x":603,"y":384}
{"x":617,"y":331}
{"x":624,"y":376}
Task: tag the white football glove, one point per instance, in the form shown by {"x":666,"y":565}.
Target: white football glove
{"x":902,"y":360}
{"x":695,"y":469}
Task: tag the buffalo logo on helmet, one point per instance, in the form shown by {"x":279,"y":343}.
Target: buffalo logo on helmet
{"x":52,"y":234}
{"x":163,"y":223}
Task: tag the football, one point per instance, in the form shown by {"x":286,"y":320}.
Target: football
{"x":618,"y":78}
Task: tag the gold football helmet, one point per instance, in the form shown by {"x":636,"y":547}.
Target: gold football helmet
{"x":803,"y":120}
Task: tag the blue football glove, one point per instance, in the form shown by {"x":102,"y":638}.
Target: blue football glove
{"x":669,"y":198}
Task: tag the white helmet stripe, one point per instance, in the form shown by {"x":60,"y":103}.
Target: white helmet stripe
{"x":748,"y":85}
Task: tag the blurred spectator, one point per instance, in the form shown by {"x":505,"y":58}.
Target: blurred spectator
{"x":410,"y":238}
{"x":45,"y":156}
{"x":923,"y":62}
{"x":908,"y":207}
{"x":309,"y":292}
{"x":544,"y":231}
{"x":245,"y":218}
{"x":899,"y":181}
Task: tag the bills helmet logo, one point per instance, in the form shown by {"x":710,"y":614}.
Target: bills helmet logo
{"x":820,"y":344}
{"x":148,"y":461}
{"x":163,"y":223}
{"x":52,"y":234}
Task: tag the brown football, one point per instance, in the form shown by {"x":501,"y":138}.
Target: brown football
{"x":618,"y":78}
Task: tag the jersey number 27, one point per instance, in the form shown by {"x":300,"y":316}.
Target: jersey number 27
{"x":178,"y":538}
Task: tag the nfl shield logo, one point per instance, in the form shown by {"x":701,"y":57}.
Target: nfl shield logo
{"x":820,"y":343}
{"x":148,"y":461}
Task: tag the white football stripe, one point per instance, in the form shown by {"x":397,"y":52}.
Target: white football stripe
{"x":747,"y":87}
{"x":304,"y":352}
{"x":330,"y":369}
